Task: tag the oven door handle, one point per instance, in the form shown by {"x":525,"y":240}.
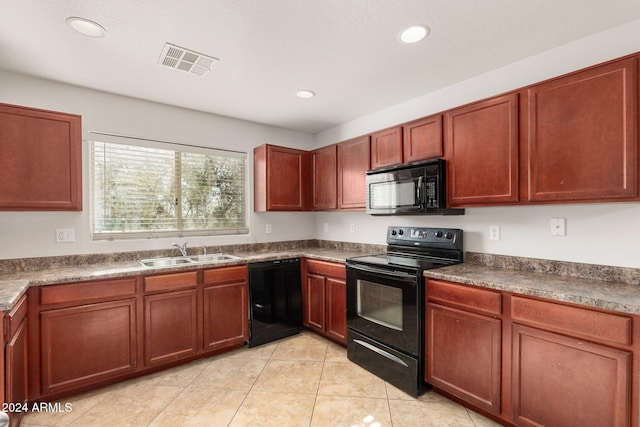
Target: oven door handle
{"x":381,"y":352}
{"x":396,"y":275}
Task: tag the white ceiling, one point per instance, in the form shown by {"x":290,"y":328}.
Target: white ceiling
{"x":347,"y":51}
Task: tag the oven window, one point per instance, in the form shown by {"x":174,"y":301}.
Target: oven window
{"x":380,"y":304}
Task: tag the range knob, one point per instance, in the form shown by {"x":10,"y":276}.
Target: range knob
{"x":401,"y":232}
{"x":438,"y":234}
{"x":449,"y":236}
{"x":394,"y":232}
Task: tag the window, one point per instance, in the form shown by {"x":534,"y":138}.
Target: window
{"x":162,"y":189}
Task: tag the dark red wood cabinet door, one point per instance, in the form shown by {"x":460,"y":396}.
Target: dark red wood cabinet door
{"x":324,"y":164}
{"x":353,"y":163}
{"x":336,"y":310}
{"x":386,"y":147}
{"x":583,"y":135}
{"x":423,"y":139}
{"x":225,"y":315}
{"x":482,"y":149}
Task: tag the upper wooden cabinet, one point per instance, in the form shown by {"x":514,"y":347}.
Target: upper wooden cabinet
{"x":353,"y":163}
{"x":423,"y":139}
{"x":280,"y":178}
{"x":40,"y":160}
{"x":324,"y":171}
{"x":583,"y":135}
{"x":386,"y":147}
{"x":482,"y":149}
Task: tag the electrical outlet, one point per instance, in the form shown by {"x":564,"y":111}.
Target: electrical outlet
{"x":494,"y":232}
{"x":268,"y":229}
{"x":558,"y":227}
{"x":325,"y":227}
{"x":65,"y":235}
{"x":352,"y":228}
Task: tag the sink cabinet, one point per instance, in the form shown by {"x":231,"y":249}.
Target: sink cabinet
{"x":225,"y":308}
{"x":170,"y":317}
{"x":325,"y":299}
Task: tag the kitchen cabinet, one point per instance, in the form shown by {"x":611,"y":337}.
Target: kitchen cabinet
{"x":170,"y":317}
{"x":571,"y":366}
{"x":583,"y":135}
{"x":386,"y":147}
{"x":281,"y":178}
{"x":41,"y":161}
{"x":325,"y":299}
{"x":353,"y":163}
{"x":530,"y":361}
{"x":463,"y":336}
{"x":481,"y":146}
{"x":225,"y":307}
{"x":87,"y":334}
{"x":423,"y":139}
{"x":324,"y":171}
{"x":16,"y":357}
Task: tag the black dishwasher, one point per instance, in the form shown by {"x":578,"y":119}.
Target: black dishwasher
{"x":275,"y":300}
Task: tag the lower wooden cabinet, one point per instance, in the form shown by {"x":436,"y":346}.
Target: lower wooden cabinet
{"x":564,"y":381}
{"x":325,"y":299}
{"x":83,"y":344}
{"x":16,"y":359}
{"x":529,"y":361}
{"x":464,"y":339}
{"x":225,"y":308}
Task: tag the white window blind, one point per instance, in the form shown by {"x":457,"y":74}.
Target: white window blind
{"x":166,"y":190}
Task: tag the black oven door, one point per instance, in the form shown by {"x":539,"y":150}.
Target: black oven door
{"x":385,"y":305}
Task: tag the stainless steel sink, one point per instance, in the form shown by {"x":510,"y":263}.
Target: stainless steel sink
{"x":165,"y":262}
{"x":212,"y":257}
{"x":181,"y":260}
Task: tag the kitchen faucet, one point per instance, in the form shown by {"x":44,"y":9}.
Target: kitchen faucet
{"x":182,"y":248}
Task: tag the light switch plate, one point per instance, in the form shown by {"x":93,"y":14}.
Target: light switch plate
{"x":558,"y":226}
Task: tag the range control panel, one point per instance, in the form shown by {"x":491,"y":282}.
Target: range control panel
{"x":424,"y":236}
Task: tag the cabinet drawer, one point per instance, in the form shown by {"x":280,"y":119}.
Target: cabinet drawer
{"x":325,"y":268}
{"x":464,"y":296}
{"x":576,"y":321}
{"x":168,"y":282}
{"x":87,"y":291}
{"x":225,"y":275}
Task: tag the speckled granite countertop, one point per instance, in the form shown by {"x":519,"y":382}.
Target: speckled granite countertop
{"x":590,"y":291}
{"x":14,"y":284}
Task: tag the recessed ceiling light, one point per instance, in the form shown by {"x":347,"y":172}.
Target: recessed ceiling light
{"x":414,"y":33}
{"x":86,"y":26}
{"x":305,"y":94}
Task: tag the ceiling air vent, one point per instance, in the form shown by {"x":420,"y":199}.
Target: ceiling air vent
{"x":187,"y":60}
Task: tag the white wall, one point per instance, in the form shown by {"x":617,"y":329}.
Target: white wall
{"x":596,"y":233}
{"x":32,"y":234}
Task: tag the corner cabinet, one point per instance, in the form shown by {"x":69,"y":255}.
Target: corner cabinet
{"x":583,"y":135}
{"x":41,"y":161}
{"x":481,"y":143}
{"x":225,"y":308}
{"x":325,"y":299}
{"x":281,"y":179}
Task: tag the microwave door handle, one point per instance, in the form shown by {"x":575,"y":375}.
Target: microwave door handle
{"x":419,"y":201}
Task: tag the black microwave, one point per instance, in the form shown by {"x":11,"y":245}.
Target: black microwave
{"x":411,"y":189}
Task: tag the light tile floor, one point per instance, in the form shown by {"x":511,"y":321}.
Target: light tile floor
{"x":303,"y":380}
